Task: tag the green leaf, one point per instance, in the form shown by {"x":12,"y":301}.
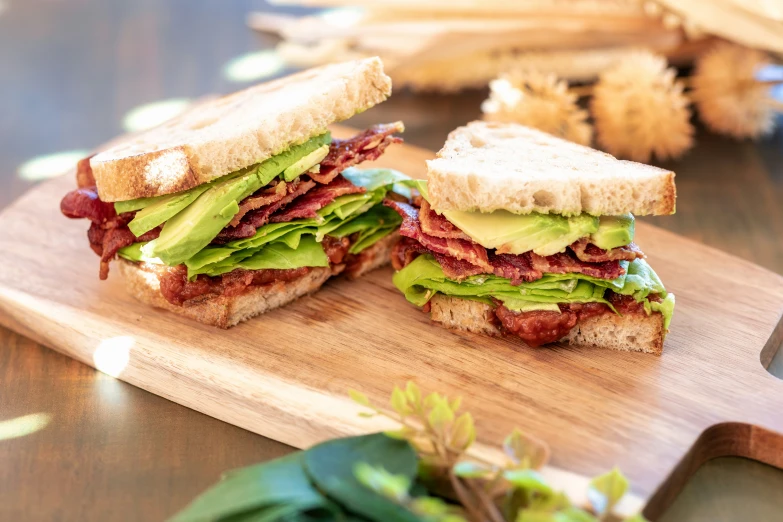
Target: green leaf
{"x":574,"y":514}
{"x":400,"y":402}
{"x":413,"y":394}
{"x":403,"y":433}
{"x":280,"y":481}
{"x":606,"y":490}
{"x":529,"y":515}
{"x":528,"y":480}
{"x":358,"y":397}
{"x":456,"y":404}
{"x":467,"y":469}
{"x":330,"y":466}
{"x":440,"y":418}
{"x":367,"y":414}
{"x":463,"y":433}
{"x":525,"y":451}
{"x":376,"y":478}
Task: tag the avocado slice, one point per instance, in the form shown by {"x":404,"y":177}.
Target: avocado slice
{"x":579,"y":226}
{"x":306,"y":163}
{"x":194,"y":227}
{"x":164,"y":209}
{"x":515,"y":233}
{"x":614,"y":231}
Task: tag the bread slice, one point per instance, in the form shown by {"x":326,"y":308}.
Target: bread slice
{"x":226,"y":134}
{"x":630,"y":333}
{"x":143,"y":282}
{"x":488,"y":166}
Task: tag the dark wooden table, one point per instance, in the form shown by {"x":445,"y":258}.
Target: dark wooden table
{"x":70,"y":71}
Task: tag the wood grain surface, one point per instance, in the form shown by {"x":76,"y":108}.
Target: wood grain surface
{"x":71,"y":71}
{"x":284,"y":375}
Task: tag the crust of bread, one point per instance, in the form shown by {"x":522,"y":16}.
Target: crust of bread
{"x":143,"y":283}
{"x":630,"y":333}
{"x":487,"y":166}
{"x":226,"y":134}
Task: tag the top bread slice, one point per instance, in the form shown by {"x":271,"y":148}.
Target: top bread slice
{"x":488,"y":166}
{"x":229,"y":133}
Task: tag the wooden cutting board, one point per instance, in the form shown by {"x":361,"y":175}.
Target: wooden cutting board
{"x":285,"y":374}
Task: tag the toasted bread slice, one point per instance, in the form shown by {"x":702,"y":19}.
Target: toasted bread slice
{"x":630,"y":333}
{"x":488,"y":166}
{"x":226,"y":134}
{"x":142,"y":281}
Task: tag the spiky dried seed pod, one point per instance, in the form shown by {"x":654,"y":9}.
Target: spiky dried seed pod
{"x":640,"y":110}
{"x":540,"y":101}
{"x":727,"y":94}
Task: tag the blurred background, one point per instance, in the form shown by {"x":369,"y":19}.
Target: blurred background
{"x":76,"y":73}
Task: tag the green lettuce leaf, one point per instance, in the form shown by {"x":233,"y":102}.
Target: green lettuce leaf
{"x":308,"y":252}
{"x":424,"y":277}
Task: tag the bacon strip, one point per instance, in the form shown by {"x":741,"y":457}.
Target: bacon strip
{"x":436,"y":225}
{"x":259,"y":217}
{"x":458,"y":248}
{"x":261,"y":198}
{"x":85,"y":203}
{"x":590,"y":253}
{"x":460,"y":258}
{"x":305,"y":206}
{"x":365,"y":146}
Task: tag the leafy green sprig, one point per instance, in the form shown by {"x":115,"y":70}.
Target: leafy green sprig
{"x":421,"y":472}
{"x":514,"y":491}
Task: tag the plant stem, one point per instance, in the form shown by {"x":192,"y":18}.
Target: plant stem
{"x":489,"y":507}
{"x":464,"y":498}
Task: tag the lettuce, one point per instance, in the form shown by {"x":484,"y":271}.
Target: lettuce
{"x":423,"y":278}
{"x":297,"y":243}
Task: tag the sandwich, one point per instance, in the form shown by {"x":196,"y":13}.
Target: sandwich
{"x":521,"y":234}
{"x":245,"y":202}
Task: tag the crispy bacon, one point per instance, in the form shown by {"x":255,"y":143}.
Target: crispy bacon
{"x":259,"y":217}
{"x":461,"y":258}
{"x":567,"y":262}
{"x":84,"y":177}
{"x":436,"y":225}
{"x":518,"y":268}
{"x":305,"y":206}
{"x":263,"y":197}
{"x":461,"y":249}
{"x":365,"y":146}
{"x":85,"y":203}
{"x":590,"y":253}
{"x":107,"y":240}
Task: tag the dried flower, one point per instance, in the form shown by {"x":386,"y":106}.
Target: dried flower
{"x":641,"y":111}
{"x":540,"y":101}
{"x":727,"y":94}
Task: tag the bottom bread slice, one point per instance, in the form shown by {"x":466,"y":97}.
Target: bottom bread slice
{"x":631,"y":332}
{"x":143,"y":283}
{"x":222,"y":311}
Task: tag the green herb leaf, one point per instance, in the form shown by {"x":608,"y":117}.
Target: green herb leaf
{"x":440,"y":418}
{"x":529,"y":480}
{"x":376,"y":478}
{"x":467,"y":469}
{"x":279,"y":482}
{"x":456,"y":404}
{"x":606,"y":491}
{"x":525,"y":451}
{"x":399,"y":402}
{"x":358,"y":397}
{"x":463,"y":433}
{"x":413,"y":394}
{"x":330,"y":466}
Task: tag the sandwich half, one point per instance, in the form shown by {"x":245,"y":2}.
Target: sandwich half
{"x":245,"y":202}
{"x":522,"y":234}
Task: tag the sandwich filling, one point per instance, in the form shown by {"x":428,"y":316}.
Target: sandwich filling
{"x":306,"y":207}
{"x":542,"y":274}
